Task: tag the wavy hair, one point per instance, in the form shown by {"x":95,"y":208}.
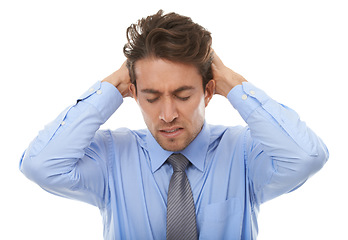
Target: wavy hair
{"x":173,"y":37}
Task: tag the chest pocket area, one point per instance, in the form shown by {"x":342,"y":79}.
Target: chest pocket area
{"x":221,"y":220}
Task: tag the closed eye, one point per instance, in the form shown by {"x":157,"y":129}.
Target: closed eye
{"x":183,"y":98}
{"x":152,"y":100}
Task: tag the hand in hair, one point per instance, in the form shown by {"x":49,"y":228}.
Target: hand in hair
{"x":225,"y":78}
{"x":121,"y":80}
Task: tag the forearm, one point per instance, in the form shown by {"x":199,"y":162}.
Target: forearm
{"x":289,"y":152}
{"x":56,"y":150}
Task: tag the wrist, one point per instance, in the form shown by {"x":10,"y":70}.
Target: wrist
{"x":231,"y":80}
{"x":113,"y":79}
{"x":104,"y":97}
{"x":120,"y":79}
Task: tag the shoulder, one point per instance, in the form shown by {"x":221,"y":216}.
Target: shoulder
{"x":123,"y":136}
{"x":219,"y":131}
{"x":228,"y":136}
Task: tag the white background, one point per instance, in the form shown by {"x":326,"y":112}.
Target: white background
{"x":52,"y":51}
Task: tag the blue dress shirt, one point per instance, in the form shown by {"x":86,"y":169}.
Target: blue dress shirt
{"x":124,"y":172}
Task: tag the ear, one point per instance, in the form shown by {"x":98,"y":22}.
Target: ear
{"x":133,"y":91}
{"x":209,"y":91}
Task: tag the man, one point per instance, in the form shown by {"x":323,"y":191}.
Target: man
{"x":172,"y":73}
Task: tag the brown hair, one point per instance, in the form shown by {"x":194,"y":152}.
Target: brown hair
{"x":173,"y":37}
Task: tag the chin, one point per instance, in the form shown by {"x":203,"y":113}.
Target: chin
{"x":173,"y":145}
{"x":173,"y":149}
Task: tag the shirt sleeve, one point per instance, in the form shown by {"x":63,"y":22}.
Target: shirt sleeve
{"x":281,"y":152}
{"x":69,"y":156}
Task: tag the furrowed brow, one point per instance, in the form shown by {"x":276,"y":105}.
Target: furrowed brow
{"x":183,"y":88}
{"x":180,"y":89}
{"x":149,"y":90}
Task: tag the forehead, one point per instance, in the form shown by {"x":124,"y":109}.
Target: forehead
{"x":156,"y":73}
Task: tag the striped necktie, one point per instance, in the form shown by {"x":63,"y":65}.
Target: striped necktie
{"x":181,"y":214}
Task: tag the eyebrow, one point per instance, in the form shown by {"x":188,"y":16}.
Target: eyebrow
{"x":149,"y":90}
{"x":183,"y":88}
{"x":180,"y":89}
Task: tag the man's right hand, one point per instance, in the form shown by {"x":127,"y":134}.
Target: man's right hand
{"x":121,"y":80}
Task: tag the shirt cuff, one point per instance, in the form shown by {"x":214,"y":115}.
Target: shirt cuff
{"x":103,"y":96}
{"x":246,"y":98}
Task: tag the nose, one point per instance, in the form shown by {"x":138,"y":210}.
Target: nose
{"x":168,"y":111}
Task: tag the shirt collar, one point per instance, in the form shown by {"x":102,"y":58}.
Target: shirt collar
{"x":195,"y":152}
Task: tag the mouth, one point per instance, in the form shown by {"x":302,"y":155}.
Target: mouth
{"x":171,"y":132}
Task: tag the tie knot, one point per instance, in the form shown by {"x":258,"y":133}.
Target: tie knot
{"x":178,"y":161}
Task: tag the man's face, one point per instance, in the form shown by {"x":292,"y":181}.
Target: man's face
{"x":172,"y":101}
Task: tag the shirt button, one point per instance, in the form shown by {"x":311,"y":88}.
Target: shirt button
{"x":91,"y":90}
{"x":252,"y":92}
{"x":244,"y":96}
{"x":62,"y":123}
{"x":99,"y":92}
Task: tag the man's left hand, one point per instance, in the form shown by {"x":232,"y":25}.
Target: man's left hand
{"x":225,"y":78}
